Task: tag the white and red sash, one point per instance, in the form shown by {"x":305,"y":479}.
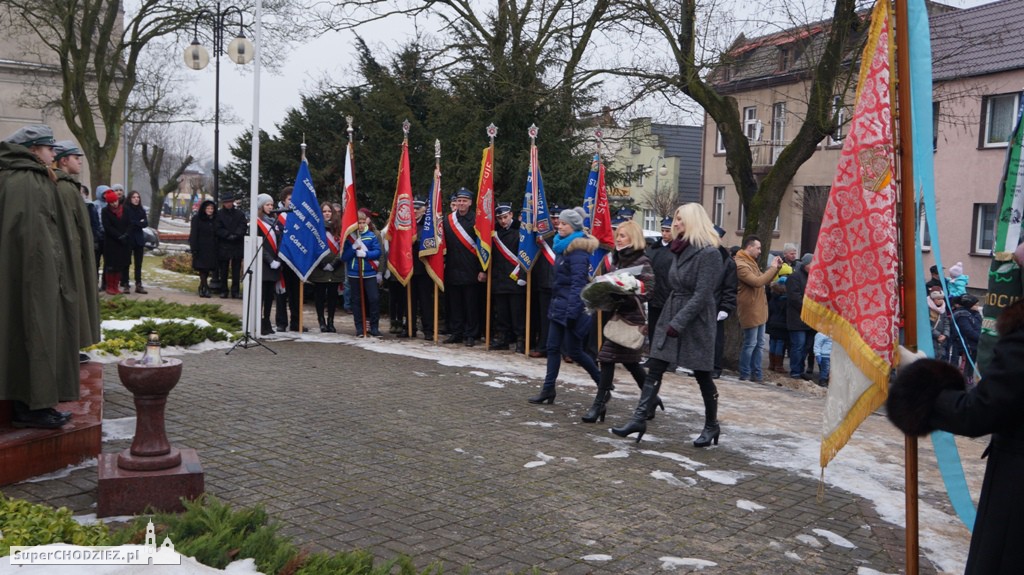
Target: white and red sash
{"x":549,"y":254}
{"x":508,"y":254}
{"x":268,"y":233}
{"x":333,"y":243}
{"x":460,"y":232}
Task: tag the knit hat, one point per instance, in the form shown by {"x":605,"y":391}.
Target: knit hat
{"x":581,"y":211}
{"x":263,"y":199}
{"x":956,"y":270}
{"x":573,"y":218}
{"x":110,"y":196}
{"x":807,"y":259}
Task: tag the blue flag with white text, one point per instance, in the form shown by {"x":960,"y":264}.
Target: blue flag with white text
{"x":535,"y":222}
{"x":304,"y":242}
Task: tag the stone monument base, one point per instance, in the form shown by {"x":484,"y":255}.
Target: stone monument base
{"x":29,"y":452}
{"x":125,"y":492}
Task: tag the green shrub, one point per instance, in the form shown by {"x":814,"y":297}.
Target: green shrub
{"x":24,"y":523}
{"x":171,"y":333}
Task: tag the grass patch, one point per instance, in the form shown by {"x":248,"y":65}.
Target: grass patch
{"x":173,"y":275}
{"x":171,"y":333}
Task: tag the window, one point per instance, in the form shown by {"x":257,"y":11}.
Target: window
{"x":719,"y":143}
{"x":935,"y":126}
{"x":718,"y":212}
{"x":839,"y":113}
{"x":651,"y":221}
{"x":778,"y":129}
{"x":999,"y":113}
{"x":751,"y":127}
{"x":926,"y":236}
{"x":785,"y":58}
{"x":984,"y":228}
{"x":640,"y":171}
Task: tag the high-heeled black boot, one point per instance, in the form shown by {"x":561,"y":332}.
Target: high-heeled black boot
{"x":711,"y":429}
{"x":597,"y":409}
{"x":639,"y":422}
{"x":546,"y":395}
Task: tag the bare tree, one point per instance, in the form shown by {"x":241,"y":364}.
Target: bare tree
{"x":662,"y":201}
{"x":94,"y":47}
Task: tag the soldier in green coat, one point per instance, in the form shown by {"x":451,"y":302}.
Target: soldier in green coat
{"x":40,"y":333}
{"x":68,"y":161}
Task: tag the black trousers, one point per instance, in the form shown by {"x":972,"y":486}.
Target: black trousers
{"x":325,"y":294}
{"x":235,"y":266}
{"x":136,"y":260}
{"x":509,"y":310}
{"x":423,"y":302}
{"x":267,"y":299}
{"x":539,"y":320}
{"x":464,"y":312}
{"x":396,"y":302}
{"x":719,"y":344}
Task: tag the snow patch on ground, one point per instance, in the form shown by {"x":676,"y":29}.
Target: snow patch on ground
{"x":62,"y":473}
{"x":748,"y":505}
{"x":91,"y":519}
{"x":543,"y":459}
{"x":620,"y":454}
{"x":115,"y":429}
{"x":596,"y":557}
{"x":670,"y":563}
{"x":496,"y":384}
{"x":870,"y":571}
{"x":668,"y":477}
{"x":680,"y":459}
{"x":834,"y":538}
{"x":544,"y":424}
{"x":809,"y":540}
{"x":723,"y":477}
{"x":480,"y":373}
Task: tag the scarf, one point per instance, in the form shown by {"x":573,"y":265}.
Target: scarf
{"x":678,"y":245}
{"x":561,"y":243}
{"x":116,"y":209}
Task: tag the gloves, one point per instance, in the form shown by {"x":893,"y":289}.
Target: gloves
{"x":380,"y":278}
{"x":359,"y":245}
{"x":722,"y":315}
{"x":671,"y":332}
{"x":123,"y":238}
{"x":275,"y":264}
{"x":329,"y":268}
{"x":521,"y":282}
{"x":360,"y":253}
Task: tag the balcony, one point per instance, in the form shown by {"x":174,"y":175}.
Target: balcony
{"x":764,"y":153}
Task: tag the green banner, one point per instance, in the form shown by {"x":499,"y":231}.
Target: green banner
{"x":1004,"y":276}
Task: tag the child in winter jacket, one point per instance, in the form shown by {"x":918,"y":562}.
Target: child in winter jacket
{"x":823,"y":353}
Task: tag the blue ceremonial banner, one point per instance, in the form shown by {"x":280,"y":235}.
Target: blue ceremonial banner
{"x":304,"y":242}
{"x":432,"y":237}
{"x":535,"y":221}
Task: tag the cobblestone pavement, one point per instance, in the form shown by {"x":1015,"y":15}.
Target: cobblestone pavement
{"x":434,"y":452}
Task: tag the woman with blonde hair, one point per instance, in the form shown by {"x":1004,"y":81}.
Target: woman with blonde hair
{"x":685,"y":334}
{"x":629,"y":252}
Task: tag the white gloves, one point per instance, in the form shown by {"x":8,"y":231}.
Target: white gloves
{"x":521,"y":282}
{"x":275,"y":264}
{"x":380,"y":278}
{"x":359,"y":245}
{"x":722,"y":315}
{"x":328,"y":268}
{"x":360,"y":252}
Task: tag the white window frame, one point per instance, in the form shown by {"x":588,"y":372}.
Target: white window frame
{"x":650,"y":220}
{"x":718,"y":211}
{"x":926,"y":236}
{"x":719,"y":143}
{"x":743,"y":220}
{"x":1013,"y":100}
{"x":984,"y":228}
{"x":751,"y":126}
{"x":839,"y":113}
{"x":778,"y":129}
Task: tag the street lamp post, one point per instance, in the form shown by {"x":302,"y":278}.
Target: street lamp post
{"x":196,"y":57}
{"x":660,"y":169}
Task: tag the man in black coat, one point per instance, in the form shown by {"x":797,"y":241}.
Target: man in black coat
{"x":463,"y":274}
{"x":422,"y":283}
{"x":661,"y":261}
{"x":508,"y":294}
{"x":725,"y":296}
{"x":230,"y":226}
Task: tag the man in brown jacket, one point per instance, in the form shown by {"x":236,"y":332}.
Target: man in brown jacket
{"x":752,"y":303}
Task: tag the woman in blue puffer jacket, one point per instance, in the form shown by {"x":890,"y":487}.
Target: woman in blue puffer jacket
{"x":569,"y":324}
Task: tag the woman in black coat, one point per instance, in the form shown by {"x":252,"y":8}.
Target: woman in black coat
{"x":202,"y":240}
{"x":629,"y":252}
{"x":930,"y":394}
{"x":116,"y":241}
{"x":136,"y":215}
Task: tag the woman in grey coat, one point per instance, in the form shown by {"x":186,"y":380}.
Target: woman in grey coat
{"x":685,"y":334}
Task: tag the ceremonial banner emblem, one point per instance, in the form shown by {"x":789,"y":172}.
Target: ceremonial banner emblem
{"x":535,"y":222}
{"x":598,"y":220}
{"x":432,"y":238}
{"x":401,"y":223}
{"x":485,"y":207}
{"x":304,"y":242}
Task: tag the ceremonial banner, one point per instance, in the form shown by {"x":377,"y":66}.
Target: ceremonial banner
{"x":598,"y":220}
{"x":1005,"y":285}
{"x":535,"y":222}
{"x":851,"y":293}
{"x":304,"y":242}
{"x":485,"y":208}
{"x":432,"y":238}
{"x":401,"y":225}
{"x":349,"y":207}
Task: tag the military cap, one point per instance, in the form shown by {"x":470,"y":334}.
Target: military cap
{"x":626,"y":213}
{"x":65,"y":148}
{"x":464,"y":193}
{"x":419,"y":204}
{"x":666,"y":223}
{"x":618,"y":221}
{"x":502,"y":209}
{"x":33,"y":135}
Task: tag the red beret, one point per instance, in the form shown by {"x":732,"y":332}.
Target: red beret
{"x":110,"y":196}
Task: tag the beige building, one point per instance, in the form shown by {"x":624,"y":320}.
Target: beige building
{"x":29,"y":78}
{"x":978,"y":72}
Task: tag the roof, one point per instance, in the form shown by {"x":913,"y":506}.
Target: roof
{"x":977,"y":41}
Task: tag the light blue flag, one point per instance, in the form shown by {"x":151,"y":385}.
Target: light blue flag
{"x":535,"y":220}
{"x":304,"y":242}
{"x":921,"y":95}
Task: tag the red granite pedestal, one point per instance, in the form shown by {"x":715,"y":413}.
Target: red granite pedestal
{"x":125,"y":492}
{"x":151,"y":473}
{"x":26,"y":453}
